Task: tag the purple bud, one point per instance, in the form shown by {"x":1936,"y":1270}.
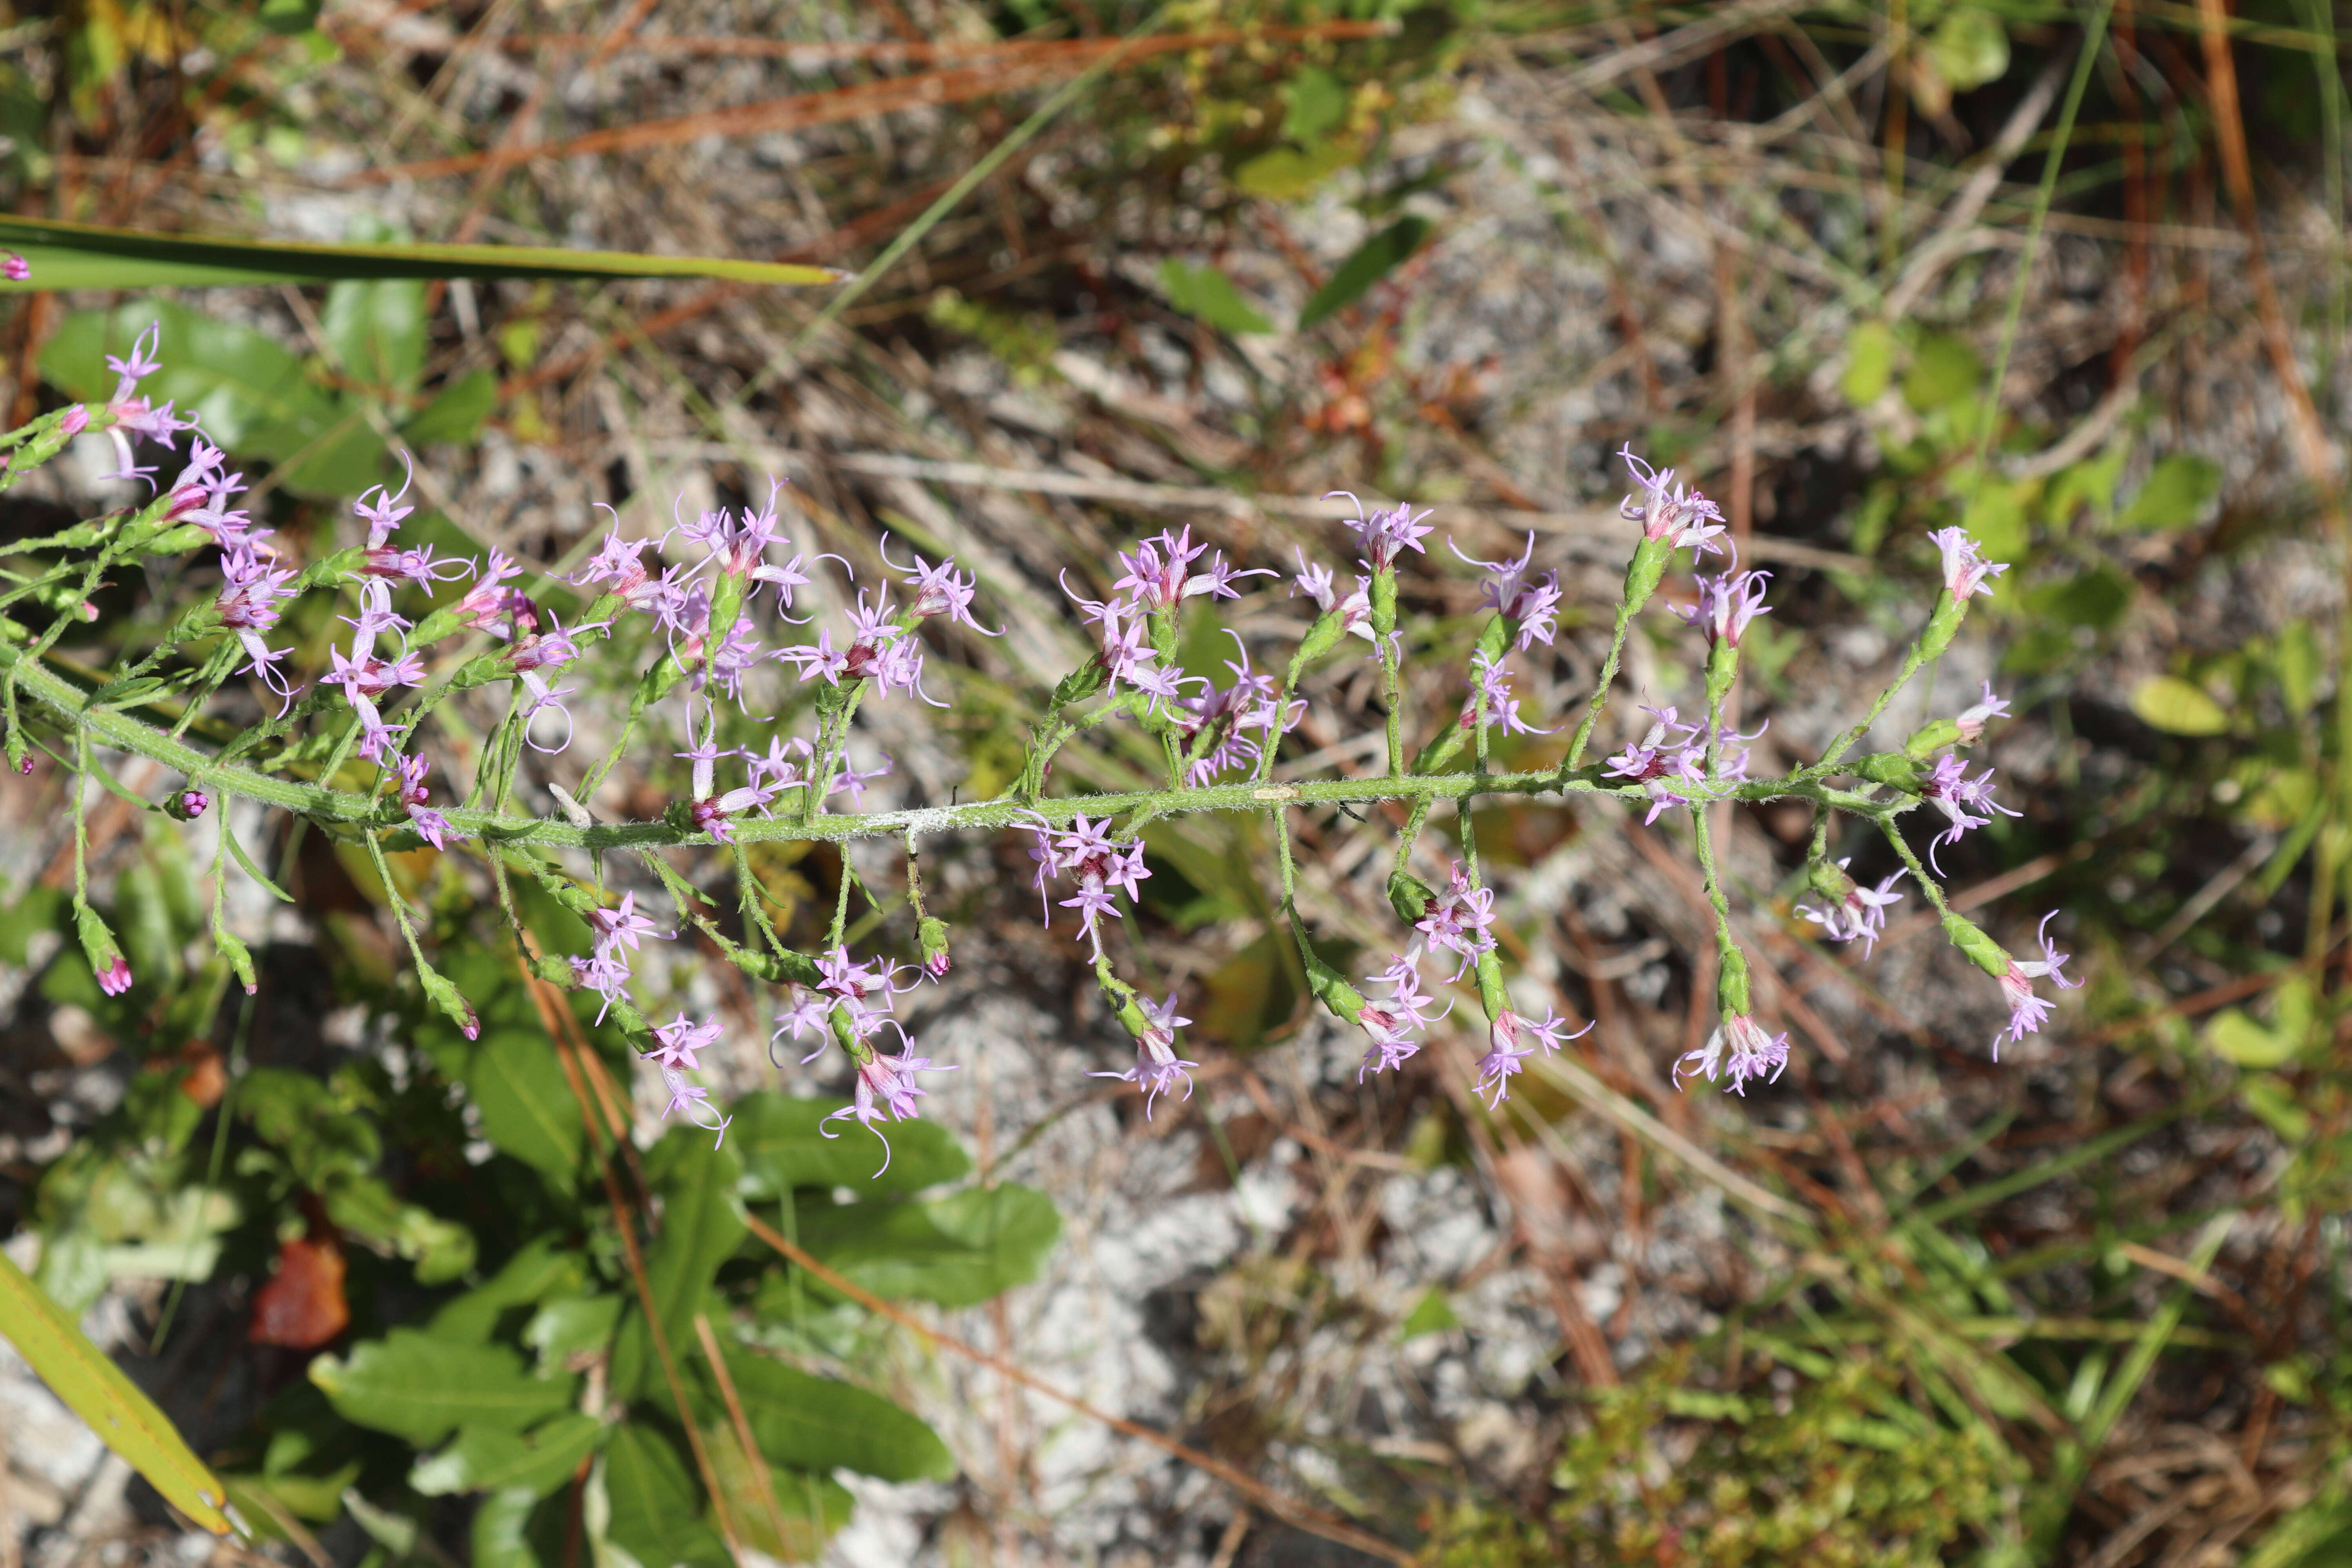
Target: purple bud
{"x":116,"y":979}
{"x":188,"y":804}
{"x":16,"y":268}
{"x":76,"y":421}
{"x":934,"y":964}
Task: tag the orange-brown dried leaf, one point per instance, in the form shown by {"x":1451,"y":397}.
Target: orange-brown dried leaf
{"x":303,"y":1305}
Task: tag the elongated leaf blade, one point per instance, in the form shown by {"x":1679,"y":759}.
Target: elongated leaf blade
{"x":1369,"y":262}
{"x":94,"y":1389}
{"x":86,"y":255}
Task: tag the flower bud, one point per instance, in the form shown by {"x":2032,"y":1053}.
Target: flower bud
{"x":1409,"y":896}
{"x":98,"y":944}
{"x":931,"y":933}
{"x":187,"y":806}
{"x":444,"y":995}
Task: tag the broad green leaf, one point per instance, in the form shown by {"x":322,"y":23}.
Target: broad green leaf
{"x":782,"y":1149}
{"x":94,"y":1388}
{"x":2096,"y":599}
{"x":1315,"y":101}
{"x":800,"y":1511}
{"x":2236,"y":1037}
{"x":1365,"y":266}
{"x":656,"y":1507}
{"x":702,"y":1223}
{"x":1869,"y":363}
{"x":458,"y":413}
{"x":1969,"y":49}
{"x":486,"y":1460}
{"x":570,"y":1324}
{"x":502,"y":1531}
{"x":528,"y":1112}
{"x":2169,"y":703}
{"x":2176,"y":494}
{"x":85,"y":256}
{"x":955,"y":1251}
{"x":821,"y":1424}
{"x":1205,"y":292}
{"x":1285,"y":173}
{"x":376,"y":330}
{"x":543,"y":1268}
{"x":423,"y":1387}
{"x":1944,"y":371}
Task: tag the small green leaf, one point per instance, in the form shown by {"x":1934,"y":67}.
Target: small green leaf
{"x":1369,"y":262}
{"x":1944,"y":371}
{"x":818,"y":1423}
{"x":488,"y":1460}
{"x":2297,"y":662}
{"x":782,"y":1149}
{"x":85,"y":256}
{"x":2096,"y":599}
{"x":2176,"y":494}
{"x":2236,"y":1037}
{"x":1433,"y":1314}
{"x":2273,"y":1101}
{"x":1869,"y":363}
{"x":1315,"y":102}
{"x":423,"y":1387}
{"x":1207,"y":293}
{"x":94,"y":1388}
{"x":528,"y":1112}
{"x":2169,"y":703}
{"x":570,"y":1324}
{"x":460,"y":412}
{"x":1969,"y":49}
{"x":956,"y":1251}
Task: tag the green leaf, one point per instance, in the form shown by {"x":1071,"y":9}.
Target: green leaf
{"x":2169,"y":703}
{"x":94,"y":1388}
{"x":955,"y":1251}
{"x":488,"y":1460}
{"x":1431,"y":1314}
{"x":702,"y":1222}
{"x":85,"y":256}
{"x":458,"y":413}
{"x":570,"y":1324}
{"x":1315,"y":102}
{"x":820,"y":1424}
{"x":1869,"y":363}
{"x":1285,"y":173}
{"x":655,"y":1506}
{"x":1366,"y":265}
{"x":1969,"y":49}
{"x":255,"y":397}
{"x":801,"y":1511}
{"x":2096,"y":599}
{"x":515,"y":1078}
{"x":1204,"y":292}
{"x":2297,"y":661}
{"x":25,"y":911}
{"x":423,"y":1387}
{"x":2176,"y":494}
{"x":376,"y":332}
{"x":1945,"y":371}
{"x":2273,"y":1101}
{"x":782,"y":1149}
{"x":2236,"y":1037}
{"x":543,"y":1268}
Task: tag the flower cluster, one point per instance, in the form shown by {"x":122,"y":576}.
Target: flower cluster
{"x":1158,"y":576}
{"x":1739,"y":1049}
{"x":1084,"y":852}
{"x":1504,"y":1052}
{"x":1849,"y":910}
{"x":1393,"y":1021}
{"x":675,"y":1054}
{"x":1669,"y":512}
{"x":1670,"y":761}
{"x":1157,"y":1068}
{"x":616,"y":933}
{"x":2027,"y":1012}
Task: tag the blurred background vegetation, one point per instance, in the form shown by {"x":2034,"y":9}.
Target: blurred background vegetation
{"x":2071,"y":274}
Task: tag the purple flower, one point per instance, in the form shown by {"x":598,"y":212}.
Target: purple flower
{"x":937,"y":589}
{"x":16,"y":268}
{"x":1159,"y":572}
{"x":1973,"y":718}
{"x":1458,"y":918}
{"x":1965,"y":571}
{"x":1383,"y":534}
{"x":885,"y":1087}
{"x":680,"y":1041}
{"x":622,"y":926}
{"x":1084,"y":852}
{"x":1861,"y":912}
{"x":1392,"y":1022}
{"x":384,"y":514}
{"x":1157,"y":1068}
{"x":193,"y":803}
{"x":693,"y":1100}
{"x":1505,"y":1051}
{"x":430,"y":825}
{"x":607,"y":973}
{"x":1512,"y":591}
{"x":1739,"y":1049}
{"x":1668,"y":510}
{"x":486,"y":603}
{"x":1727,"y":604}
{"x":1490,"y":693}
{"x":1355,"y":610}
{"x":1960,"y":799}
{"x":808,"y":1011}
{"x":2027,"y":1012}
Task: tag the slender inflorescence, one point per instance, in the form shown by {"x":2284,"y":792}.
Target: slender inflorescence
{"x":716,"y":603}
